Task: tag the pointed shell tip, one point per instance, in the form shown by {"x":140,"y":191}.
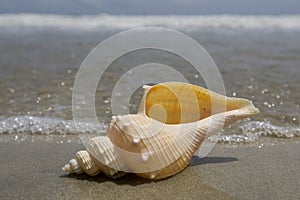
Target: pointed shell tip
{"x":145,"y":157}
{"x":136,"y":140}
{"x":67,"y":168}
{"x":152,"y":176}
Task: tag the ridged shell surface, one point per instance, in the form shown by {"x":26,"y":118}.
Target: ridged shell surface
{"x":98,"y":158}
{"x":152,"y":149}
{"x":102,"y":149}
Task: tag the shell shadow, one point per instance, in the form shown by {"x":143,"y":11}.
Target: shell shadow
{"x":211,"y":160}
{"x":133,"y":180}
{"x":128,"y":179}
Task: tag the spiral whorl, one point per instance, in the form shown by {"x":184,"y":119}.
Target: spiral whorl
{"x":72,"y":167}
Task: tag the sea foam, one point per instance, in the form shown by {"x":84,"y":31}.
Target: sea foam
{"x":47,"y":126}
{"x":247,"y":132}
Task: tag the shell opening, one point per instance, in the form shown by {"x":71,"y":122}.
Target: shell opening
{"x":179,"y":103}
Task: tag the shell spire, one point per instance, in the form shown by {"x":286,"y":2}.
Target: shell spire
{"x":72,"y":167}
{"x":96,"y":159}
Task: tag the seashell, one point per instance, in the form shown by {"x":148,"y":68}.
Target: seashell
{"x":96,"y":159}
{"x":173,"y":120}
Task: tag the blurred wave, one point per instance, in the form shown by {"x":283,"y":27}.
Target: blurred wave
{"x":36,"y":22}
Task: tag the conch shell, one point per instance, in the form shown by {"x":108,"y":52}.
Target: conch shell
{"x":174,"y":119}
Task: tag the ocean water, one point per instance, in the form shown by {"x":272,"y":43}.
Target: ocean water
{"x":258,"y":57}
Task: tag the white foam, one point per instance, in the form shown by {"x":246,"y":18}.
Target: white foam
{"x":247,"y":132}
{"x":100,"y":22}
{"x":47,"y":126}
{"x":252,"y":131}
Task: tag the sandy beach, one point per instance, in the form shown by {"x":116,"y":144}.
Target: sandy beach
{"x":31,"y":169}
{"x":40,"y":55}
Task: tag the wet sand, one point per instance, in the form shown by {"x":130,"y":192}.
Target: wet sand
{"x":32,"y":170}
